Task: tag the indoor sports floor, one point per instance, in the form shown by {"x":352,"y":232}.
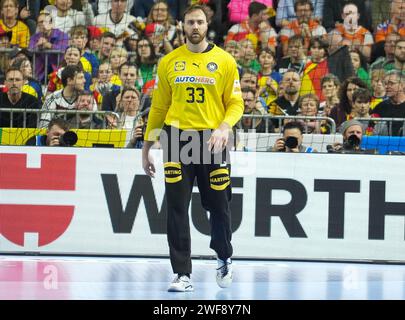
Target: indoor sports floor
{"x":58,"y":277}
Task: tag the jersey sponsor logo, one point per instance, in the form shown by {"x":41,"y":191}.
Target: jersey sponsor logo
{"x":179,"y":66}
{"x":196,"y":80}
{"x":212,"y":67}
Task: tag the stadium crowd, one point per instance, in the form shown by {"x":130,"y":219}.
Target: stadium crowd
{"x":311,"y":58}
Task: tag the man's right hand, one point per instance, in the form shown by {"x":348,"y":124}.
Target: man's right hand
{"x":54,"y":142}
{"x":279,"y":145}
{"x":147,"y":159}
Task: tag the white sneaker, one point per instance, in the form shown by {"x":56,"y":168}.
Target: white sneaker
{"x":181,"y":284}
{"x":224,"y":273}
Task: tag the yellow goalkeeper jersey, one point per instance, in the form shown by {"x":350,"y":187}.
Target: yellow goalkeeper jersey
{"x":195,"y":91}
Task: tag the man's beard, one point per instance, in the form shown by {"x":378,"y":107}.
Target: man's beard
{"x":400,"y":58}
{"x":196,"y":40}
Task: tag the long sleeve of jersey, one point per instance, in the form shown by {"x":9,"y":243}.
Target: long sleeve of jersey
{"x":234,"y":105}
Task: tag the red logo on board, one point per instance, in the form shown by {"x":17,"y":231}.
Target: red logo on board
{"x":57,"y":172}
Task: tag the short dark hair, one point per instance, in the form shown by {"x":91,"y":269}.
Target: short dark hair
{"x":256,"y":8}
{"x":108,"y":34}
{"x":330,"y":77}
{"x":296,"y":38}
{"x":361,"y":94}
{"x":60,"y":122}
{"x":127,"y":64}
{"x":196,"y":7}
{"x":303,"y":3}
{"x":246,"y":90}
{"x":293,"y":125}
{"x":322,"y":44}
{"x":69,"y":72}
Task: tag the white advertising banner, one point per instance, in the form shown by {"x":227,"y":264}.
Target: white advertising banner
{"x":285,"y":206}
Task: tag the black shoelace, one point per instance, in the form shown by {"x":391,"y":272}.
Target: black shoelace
{"x":224,"y":270}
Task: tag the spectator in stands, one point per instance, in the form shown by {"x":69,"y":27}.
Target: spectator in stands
{"x":250,"y":124}
{"x":5,"y":38}
{"x":29,"y":10}
{"x":13,"y":97}
{"x":378,"y":88}
{"x":394,"y":106}
{"x":216,"y":29}
{"x":342,"y":111}
{"x":72,"y":57}
{"x":104,"y":6}
{"x":379,"y":11}
{"x":159,"y":13}
{"x":248,"y":79}
{"x":332,"y":13}
{"x":308,"y":106}
{"x":352,"y":131}
{"x":396,"y":23}
{"x":56,"y":128}
{"x":292,"y":138}
{"x":257,"y":28}
{"x":232,"y":47}
{"x":128,"y":110}
{"x":31,"y":85}
{"x":47,"y":38}
{"x":247,"y":57}
{"x":180,"y":38}
{"x":73,"y":81}
{"x":399,"y":55}
{"x":143,"y":8}
{"x":387,"y":62}
{"x":304,"y":25}
{"x":267,"y":60}
{"x":360,"y":65}
{"x":102,"y":85}
{"x":9,"y":22}
{"x":268,"y":79}
{"x":108,"y":41}
{"x":79,"y":36}
{"x":316,"y":68}
{"x":116,"y":20}
{"x":94,"y":44}
{"x":350,"y":33}
{"x":85,"y":102}
{"x":361,"y":109}
{"x":146,"y":60}
{"x":330,"y":88}
{"x":155,"y":32}
{"x":287,"y":104}
{"x":118,"y":57}
{"x":286,"y":12}
{"x":296,"y":58}
{"x":66,"y":17}
{"x":128,"y":74}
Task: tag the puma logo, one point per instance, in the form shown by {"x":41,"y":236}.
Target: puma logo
{"x":197,"y":65}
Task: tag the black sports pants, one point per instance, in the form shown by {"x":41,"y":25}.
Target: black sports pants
{"x":183,"y":162}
